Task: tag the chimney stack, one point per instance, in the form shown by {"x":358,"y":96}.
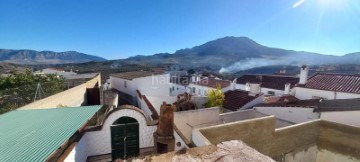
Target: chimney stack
{"x":247,"y":86}
{"x":254,"y":89}
{"x":303,"y":74}
{"x":287,"y":89}
{"x":164,"y":140}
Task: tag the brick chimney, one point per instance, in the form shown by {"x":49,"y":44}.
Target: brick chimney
{"x":164,"y":140}
{"x":303,"y":74}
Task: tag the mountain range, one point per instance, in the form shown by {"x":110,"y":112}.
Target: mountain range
{"x":231,"y":54}
{"x":45,"y":57}
{"x":228,"y":54}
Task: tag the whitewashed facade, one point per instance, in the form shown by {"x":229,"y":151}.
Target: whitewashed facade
{"x":155,"y":85}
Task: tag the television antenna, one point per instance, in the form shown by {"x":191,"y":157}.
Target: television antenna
{"x":39,"y":93}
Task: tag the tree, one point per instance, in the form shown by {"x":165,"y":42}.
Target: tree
{"x":19,"y":89}
{"x":216,"y":98}
{"x":191,"y":71}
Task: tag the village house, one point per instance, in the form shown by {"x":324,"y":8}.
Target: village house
{"x":329,"y":86}
{"x":203,"y":86}
{"x":147,"y":82}
{"x":55,"y":71}
{"x":268,"y":84}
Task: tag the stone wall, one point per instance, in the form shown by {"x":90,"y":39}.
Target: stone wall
{"x":288,"y":143}
{"x":73,"y":97}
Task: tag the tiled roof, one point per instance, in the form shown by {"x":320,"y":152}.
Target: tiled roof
{"x":335,"y":82}
{"x":33,"y":135}
{"x":311,"y":103}
{"x":339,"y":105}
{"x":269,"y":81}
{"x":278,"y":99}
{"x":213,"y":83}
{"x":236,"y":99}
{"x":135,"y":74}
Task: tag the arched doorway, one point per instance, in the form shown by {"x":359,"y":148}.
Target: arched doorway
{"x":125,"y":138}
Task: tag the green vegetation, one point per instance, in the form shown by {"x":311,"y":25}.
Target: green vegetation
{"x":216,"y":98}
{"x":19,"y":89}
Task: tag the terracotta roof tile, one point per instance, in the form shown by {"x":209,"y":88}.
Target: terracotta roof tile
{"x":311,"y":103}
{"x":339,"y":105}
{"x":278,"y":99}
{"x":335,"y":82}
{"x":213,"y":83}
{"x":269,"y":81}
{"x":236,"y":99}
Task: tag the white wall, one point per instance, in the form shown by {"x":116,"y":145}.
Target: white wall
{"x":295,"y":115}
{"x":157,"y":85}
{"x":240,"y":86}
{"x":198,"y":139}
{"x":306,"y":93}
{"x":277,"y":92}
{"x":185,"y":121}
{"x":99,"y":142}
{"x":142,"y":104}
{"x":204,"y":90}
{"x":78,"y":153}
{"x":343,"y":117}
{"x":179,"y":139}
{"x":178,"y":89}
{"x":262,"y":89}
{"x":343,"y":95}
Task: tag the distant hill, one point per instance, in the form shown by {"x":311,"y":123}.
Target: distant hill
{"x":232,"y":54}
{"x":295,"y":70}
{"x":45,"y":57}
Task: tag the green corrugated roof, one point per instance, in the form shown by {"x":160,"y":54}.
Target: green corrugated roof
{"x":33,"y":135}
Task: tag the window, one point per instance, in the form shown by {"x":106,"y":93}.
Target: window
{"x":193,"y":89}
{"x":205,"y":93}
{"x":125,"y":84}
{"x":199,"y":92}
{"x":271,"y":93}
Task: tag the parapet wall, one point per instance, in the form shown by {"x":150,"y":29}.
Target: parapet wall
{"x":323,"y":136}
{"x":72,"y":97}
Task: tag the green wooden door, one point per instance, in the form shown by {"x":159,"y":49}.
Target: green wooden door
{"x":125,"y":140}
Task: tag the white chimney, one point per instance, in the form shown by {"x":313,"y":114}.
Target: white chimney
{"x":303,"y":74}
{"x":287,"y":89}
{"x":233,"y":84}
{"x":247,"y":86}
{"x":254,"y":89}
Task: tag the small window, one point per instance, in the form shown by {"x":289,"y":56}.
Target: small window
{"x":125,"y":84}
{"x":271,"y":93}
{"x":199,"y":91}
{"x":205,"y":92}
{"x":193,"y":90}
{"x":178,"y":144}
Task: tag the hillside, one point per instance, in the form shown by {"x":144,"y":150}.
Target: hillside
{"x":45,"y":57}
{"x":231,"y":54}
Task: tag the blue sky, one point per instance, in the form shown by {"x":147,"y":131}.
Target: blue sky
{"x":121,"y":28}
